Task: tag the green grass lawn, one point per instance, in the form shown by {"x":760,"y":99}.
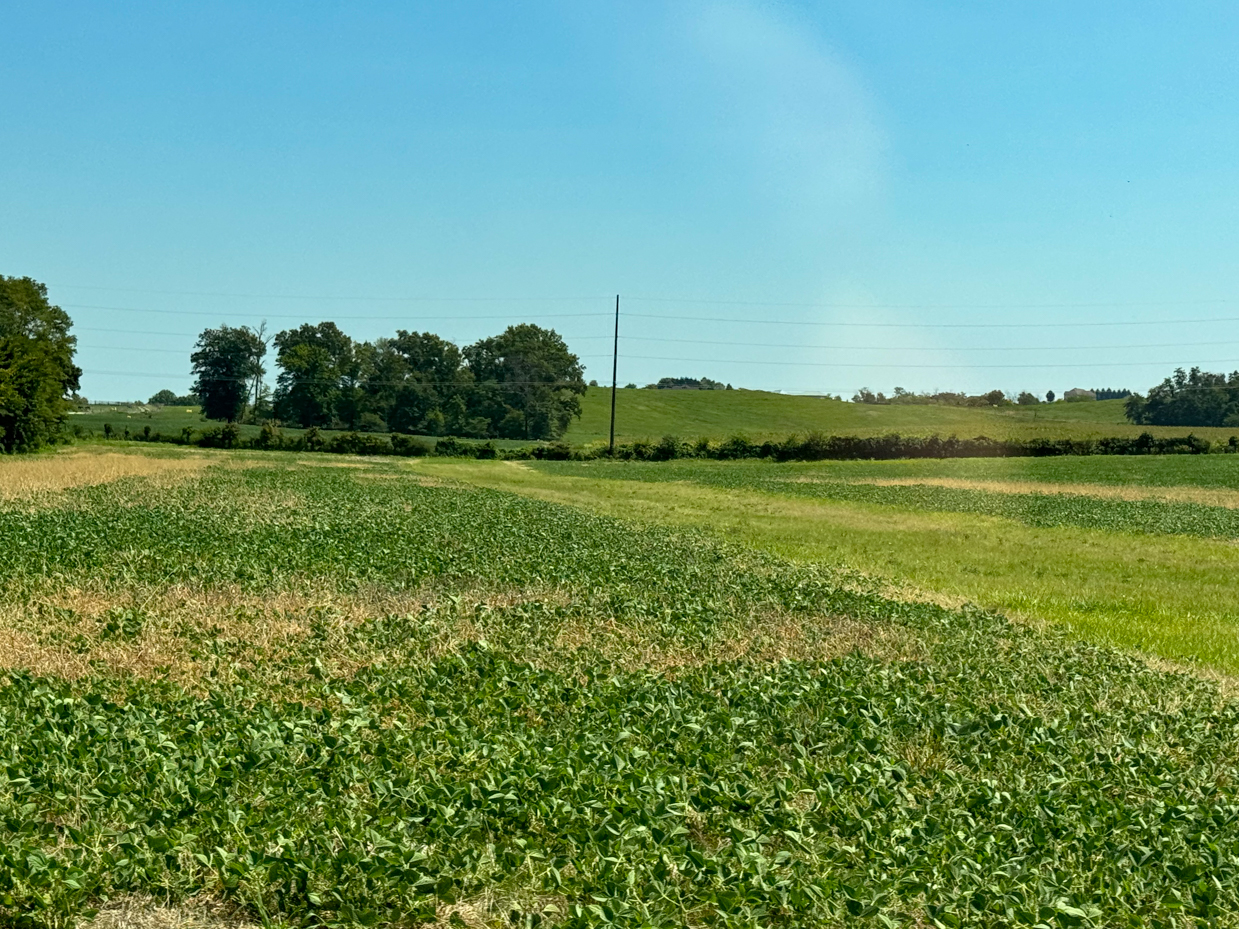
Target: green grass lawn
{"x":1153,"y":574}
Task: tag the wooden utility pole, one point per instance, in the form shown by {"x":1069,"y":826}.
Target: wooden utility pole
{"x":614,"y":375}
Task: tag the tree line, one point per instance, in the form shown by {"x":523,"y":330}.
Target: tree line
{"x":521,"y":384}
{"x":1188,"y":398}
{"x":947,"y":398}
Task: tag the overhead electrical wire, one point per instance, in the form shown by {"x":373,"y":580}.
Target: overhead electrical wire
{"x":889,"y":325}
{"x":440,"y":317}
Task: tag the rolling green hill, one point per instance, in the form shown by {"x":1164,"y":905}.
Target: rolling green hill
{"x":717,"y":414}
{"x":649,"y":414}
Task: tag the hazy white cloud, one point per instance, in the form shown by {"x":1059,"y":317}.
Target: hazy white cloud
{"x":784,"y":103}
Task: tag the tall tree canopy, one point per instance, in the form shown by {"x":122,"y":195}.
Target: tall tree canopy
{"x":317,"y":371}
{"x":526,"y":382}
{"x":1188,"y":398}
{"x":521,"y":384}
{"x":417,"y":383}
{"x":36,"y":365}
{"x":225,"y":362}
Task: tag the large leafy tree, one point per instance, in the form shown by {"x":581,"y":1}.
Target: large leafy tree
{"x":417,"y":383}
{"x":36,"y":365}
{"x":527,"y":383}
{"x":319,"y":375}
{"x":226,"y":361}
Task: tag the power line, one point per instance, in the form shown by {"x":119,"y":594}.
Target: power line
{"x":821,"y":364}
{"x":302,"y":316}
{"x":710,"y":301}
{"x":144,"y":348}
{"x":884,"y":325}
{"x":919,"y":348}
{"x":936,"y":306}
{"x":336,"y":298}
{"x":954,"y":367}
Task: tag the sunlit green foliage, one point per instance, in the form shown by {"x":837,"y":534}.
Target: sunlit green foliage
{"x":37,"y":372}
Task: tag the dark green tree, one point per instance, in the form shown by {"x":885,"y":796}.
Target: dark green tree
{"x":526,"y":382}
{"x":420,"y":384}
{"x":1188,"y":398}
{"x":37,"y":373}
{"x":318,"y":376}
{"x":166,"y":397}
{"x":225,"y":363}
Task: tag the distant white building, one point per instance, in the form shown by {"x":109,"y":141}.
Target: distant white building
{"x":1079,"y":393}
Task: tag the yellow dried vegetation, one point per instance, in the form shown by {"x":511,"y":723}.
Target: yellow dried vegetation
{"x":137,"y":912}
{"x":41,"y":474}
{"x":1206,"y":496}
{"x":65,"y":633}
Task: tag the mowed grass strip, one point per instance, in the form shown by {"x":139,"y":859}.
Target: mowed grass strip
{"x":1055,"y":504}
{"x":1171,"y":596}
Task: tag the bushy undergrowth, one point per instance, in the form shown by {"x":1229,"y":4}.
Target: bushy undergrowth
{"x":816,"y":447}
{"x":584,"y":724}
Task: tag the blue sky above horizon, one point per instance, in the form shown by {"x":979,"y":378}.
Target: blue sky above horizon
{"x":795,"y":196}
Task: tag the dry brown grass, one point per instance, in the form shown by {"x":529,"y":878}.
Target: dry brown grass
{"x":145,"y":913}
{"x":63,"y":633}
{"x":1205,"y":496}
{"x":201,"y":637}
{"x":39,"y":474}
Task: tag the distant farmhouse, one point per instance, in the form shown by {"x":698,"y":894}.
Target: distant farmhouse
{"x":1079,"y":393}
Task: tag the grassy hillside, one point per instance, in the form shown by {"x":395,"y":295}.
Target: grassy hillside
{"x":715,"y":413}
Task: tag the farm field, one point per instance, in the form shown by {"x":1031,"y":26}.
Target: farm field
{"x":1137,"y":552}
{"x":716,"y":414}
{"x":305,"y":690}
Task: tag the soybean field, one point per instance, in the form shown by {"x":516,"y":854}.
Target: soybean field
{"x":299,"y":691}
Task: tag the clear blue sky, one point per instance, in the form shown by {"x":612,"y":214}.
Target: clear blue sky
{"x":420,"y":166}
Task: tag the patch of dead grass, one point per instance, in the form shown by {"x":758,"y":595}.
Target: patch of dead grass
{"x":200,"y":636}
{"x":138,"y":912}
{"x":39,"y":474}
{"x":1205,"y":496}
{"x":64,"y":633}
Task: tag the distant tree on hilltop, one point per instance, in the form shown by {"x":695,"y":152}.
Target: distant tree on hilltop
{"x":690,"y":383}
{"x":168,"y":398}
